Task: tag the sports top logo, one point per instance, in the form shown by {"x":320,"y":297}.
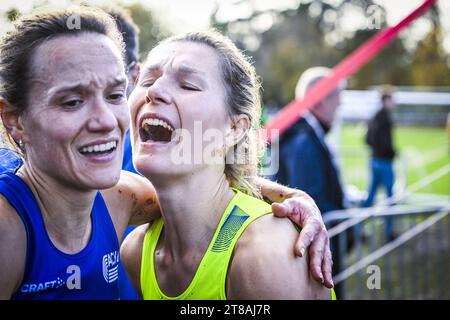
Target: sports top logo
{"x":110,"y":264}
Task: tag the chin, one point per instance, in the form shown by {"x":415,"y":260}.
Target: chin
{"x":153,"y":169}
{"x":161,"y":170}
{"x":105,"y":183}
{"x":105,"y":179}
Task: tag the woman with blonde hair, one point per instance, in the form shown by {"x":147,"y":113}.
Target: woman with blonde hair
{"x":215,"y":239}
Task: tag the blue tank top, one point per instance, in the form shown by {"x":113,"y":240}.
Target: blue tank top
{"x":51,"y":274}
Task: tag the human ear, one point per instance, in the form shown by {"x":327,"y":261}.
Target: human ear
{"x":11,"y":121}
{"x":240,"y":125}
{"x":135,"y":74}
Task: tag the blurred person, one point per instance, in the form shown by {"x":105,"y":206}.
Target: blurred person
{"x":9,"y":160}
{"x":306,"y":161}
{"x":212,"y":245}
{"x":379,"y":139}
{"x":63,"y":104}
{"x":129,"y":31}
{"x":63,"y":212}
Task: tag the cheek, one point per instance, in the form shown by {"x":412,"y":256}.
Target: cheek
{"x":215,"y":113}
{"x":134,"y":102}
{"x":49,"y":140}
{"x":49,"y":130}
{"x":123,"y":116}
{"x":211,"y":120}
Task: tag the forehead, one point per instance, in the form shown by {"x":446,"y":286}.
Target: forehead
{"x":71,"y":58}
{"x":198,"y":56}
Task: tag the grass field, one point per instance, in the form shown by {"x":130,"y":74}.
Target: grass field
{"x":421,"y":151}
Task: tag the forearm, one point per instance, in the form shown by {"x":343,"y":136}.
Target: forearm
{"x":133,"y":200}
{"x":275,"y":192}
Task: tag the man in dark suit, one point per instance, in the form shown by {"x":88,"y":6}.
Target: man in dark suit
{"x":305,"y":159}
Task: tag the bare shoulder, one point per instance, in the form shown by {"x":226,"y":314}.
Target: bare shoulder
{"x":131,"y":254}
{"x":131,"y":201}
{"x":134,"y":240}
{"x":13,"y":246}
{"x":265,"y":267}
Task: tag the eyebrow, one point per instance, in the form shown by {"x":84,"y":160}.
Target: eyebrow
{"x":182,"y":69}
{"x":83,"y":85}
{"x":189,"y":70}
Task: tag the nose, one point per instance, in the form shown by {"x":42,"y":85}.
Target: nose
{"x":103,"y":118}
{"x":157,"y":93}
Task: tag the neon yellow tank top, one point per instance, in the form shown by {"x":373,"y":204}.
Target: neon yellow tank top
{"x":209,"y":280}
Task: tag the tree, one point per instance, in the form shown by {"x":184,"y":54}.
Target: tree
{"x":429,"y":65}
{"x":315,"y":33}
{"x":151,"y":30}
{"x":309,"y":35}
{"x":12,"y":14}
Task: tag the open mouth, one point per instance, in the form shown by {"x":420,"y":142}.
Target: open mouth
{"x":156,"y":130}
{"x":99,"y":149}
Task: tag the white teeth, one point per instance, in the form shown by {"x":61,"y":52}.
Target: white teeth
{"x":100,"y":147}
{"x":157,"y":122}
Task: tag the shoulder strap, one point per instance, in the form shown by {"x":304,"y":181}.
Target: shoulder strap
{"x":149,"y":285}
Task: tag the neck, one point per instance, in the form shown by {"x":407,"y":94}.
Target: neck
{"x":192,"y":209}
{"x":325,"y":126}
{"x":66,"y":212}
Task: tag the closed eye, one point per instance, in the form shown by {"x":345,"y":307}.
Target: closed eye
{"x":189,"y":87}
{"x":146,"y":83}
{"x":147,"y":80}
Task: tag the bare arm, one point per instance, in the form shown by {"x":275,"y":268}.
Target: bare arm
{"x":303,"y":211}
{"x":12,"y":250}
{"x":260,"y":272}
{"x":131,"y":256}
{"x":132,"y":201}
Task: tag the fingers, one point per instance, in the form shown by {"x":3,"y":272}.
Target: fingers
{"x":299,"y":210}
{"x":327,"y":265}
{"x":280,"y":210}
{"x":307,"y":235}
{"x":321,"y":261}
{"x":292,"y":208}
{"x":316,"y":253}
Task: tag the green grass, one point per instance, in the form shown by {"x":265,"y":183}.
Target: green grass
{"x":421,"y":151}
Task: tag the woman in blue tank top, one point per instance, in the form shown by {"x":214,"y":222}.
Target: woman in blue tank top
{"x":63,"y":104}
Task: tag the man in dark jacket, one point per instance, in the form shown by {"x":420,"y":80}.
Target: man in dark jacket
{"x":305,"y":160}
{"x":379,"y":138}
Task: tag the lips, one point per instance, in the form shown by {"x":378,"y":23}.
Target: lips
{"x":155,"y":128}
{"x":99,"y":148}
